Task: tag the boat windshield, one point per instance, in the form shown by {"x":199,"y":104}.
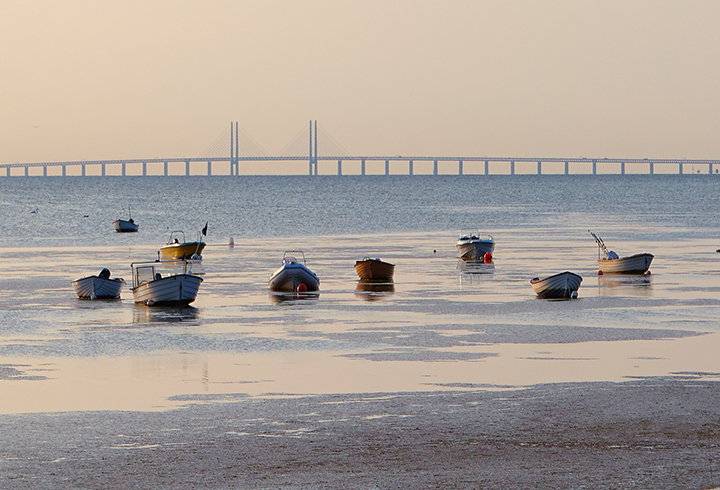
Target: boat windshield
{"x":144,"y":274}
{"x":292,"y":256}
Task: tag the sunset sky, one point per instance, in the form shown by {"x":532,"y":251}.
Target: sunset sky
{"x":89,"y":79}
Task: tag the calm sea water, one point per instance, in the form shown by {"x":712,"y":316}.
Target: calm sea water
{"x":441,"y":326}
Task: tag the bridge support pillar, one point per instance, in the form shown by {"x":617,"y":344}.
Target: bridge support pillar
{"x":680,"y":168}
{"x":512,"y":168}
{"x":144,"y":169}
{"x":594,"y":167}
{"x":487,"y":167}
{"x":567,"y":168}
{"x":339,"y":167}
{"x":165,"y":164}
{"x":82,"y":170}
{"x":187,"y":167}
{"x":710,"y":168}
{"x":387,"y":167}
{"x":123,"y":170}
{"x":539,"y":167}
{"x":622,"y":168}
{"x":102,"y":170}
{"x":27,"y":171}
{"x":362,"y":166}
{"x":460,"y":167}
{"x":64,"y":170}
{"x":435,"y":167}
{"x":410,"y":167}
{"x":209,"y":167}
{"x":652,"y":168}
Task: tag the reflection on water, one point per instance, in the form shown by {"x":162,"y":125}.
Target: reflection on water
{"x":281,"y":298}
{"x":143,"y":314}
{"x":372,"y":291}
{"x":475,"y":267}
{"x":622,"y":285}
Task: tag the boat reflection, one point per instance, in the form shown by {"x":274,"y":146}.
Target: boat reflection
{"x":284,"y":298}
{"x":623,"y":285}
{"x":374,"y":290}
{"x":475,"y":267}
{"x":163,"y":314}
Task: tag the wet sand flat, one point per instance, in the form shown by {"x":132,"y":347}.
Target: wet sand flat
{"x":654,"y":433}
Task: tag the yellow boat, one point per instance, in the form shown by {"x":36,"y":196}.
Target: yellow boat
{"x":178,"y":248}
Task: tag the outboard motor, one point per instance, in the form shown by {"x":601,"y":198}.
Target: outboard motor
{"x":105,"y":274}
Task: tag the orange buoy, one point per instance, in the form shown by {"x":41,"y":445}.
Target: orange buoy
{"x":600,"y":273}
{"x":487,"y":257}
{"x":301,"y":288}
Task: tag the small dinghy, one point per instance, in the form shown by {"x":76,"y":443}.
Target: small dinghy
{"x":125,"y":226}
{"x":472,"y":246}
{"x":178,"y":287}
{"x":374,"y":270}
{"x":294,"y":276}
{"x":610,"y":263}
{"x":98,"y":287}
{"x":563,"y":285}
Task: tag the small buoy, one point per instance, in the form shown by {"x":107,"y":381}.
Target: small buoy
{"x":487,"y":257}
{"x":301,"y":288}
{"x":435,"y":251}
{"x":232,"y":241}
{"x":574,"y":295}
{"x":600,"y":273}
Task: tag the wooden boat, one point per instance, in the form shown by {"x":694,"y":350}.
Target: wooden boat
{"x":374,"y":270}
{"x":294,"y":276}
{"x":610,"y":263}
{"x":472,"y":246}
{"x":562,"y":285}
{"x":125,"y":226}
{"x":98,"y":287}
{"x":178,"y":248}
{"x":175,"y":288}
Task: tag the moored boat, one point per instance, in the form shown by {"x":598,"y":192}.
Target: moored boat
{"x":562,"y":285}
{"x":175,"y":288}
{"x":100,"y":286}
{"x":178,"y":248}
{"x":610,"y":263}
{"x":125,"y":226}
{"x":472,"y":246}
{"x":294,"y":276}
{"x":374,"y":270}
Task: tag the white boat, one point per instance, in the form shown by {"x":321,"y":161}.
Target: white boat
{"x":178,"y":248}
{"x":98,"y":287}
{"x":164,"y":283}
{"x":610,"y":263}
{"x":562,"y":285}
{"x":125,"y":226}
{"x":472,"y":246}
{"x":294,"y":276}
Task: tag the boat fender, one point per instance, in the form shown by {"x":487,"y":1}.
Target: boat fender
{"x":487,"y":257}
{"x":196,"y":257}
{"x":574,"y":295}
{"x":149,"y":302}
{"x":301,"y":288}
{"x":600,"y":273}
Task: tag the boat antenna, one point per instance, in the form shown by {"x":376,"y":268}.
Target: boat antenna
{"x":601,"y":244}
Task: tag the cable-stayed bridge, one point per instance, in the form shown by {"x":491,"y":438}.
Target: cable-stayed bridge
{"x":235,"y":149}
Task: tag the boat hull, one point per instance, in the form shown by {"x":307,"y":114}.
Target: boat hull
{"x":94,"y":287}
{"x":175,"y":290}
{"x":124,"y":226}
{"x":374,"y":270}
{"x":288,"y":277}
{"x":474,"y":249}
{"x":635,"y":264}
{"x":181,"y":251}
{"x":561,"y":285}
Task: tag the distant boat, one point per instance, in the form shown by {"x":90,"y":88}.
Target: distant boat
{"x":294,"y":276}
{"x":562,"y":285}
{"x":99,"y":286}
{"x":125,"y":226}
{"x":610,"y":263}
{"x":178,"y":248}
{"x":374,"y":270}
{"x":175,"y":288}
{"x":472,"y":246}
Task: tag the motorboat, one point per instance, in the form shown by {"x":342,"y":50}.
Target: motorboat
{"x":472,"y":246}
{"x":100,"y":286}
{"x":610,"y":263}
{"x":178,"y":248}
{"x":294,"y":276}
{"x":562,"y":285}
{"x":176,"y":287}
{"x":374,"y":270}
{"x":125,"y":226}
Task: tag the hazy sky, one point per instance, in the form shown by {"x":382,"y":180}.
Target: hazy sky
{"x":94,"y":79}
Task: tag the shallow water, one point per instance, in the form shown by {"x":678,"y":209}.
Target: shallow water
{"x":440,"y":326}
